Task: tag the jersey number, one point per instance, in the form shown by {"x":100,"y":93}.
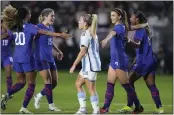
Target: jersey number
{"x":4,"y":42}
{"x":20,"y":38}
{"x":149,"y":41}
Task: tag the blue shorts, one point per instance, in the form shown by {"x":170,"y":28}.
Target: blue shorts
{"x":115,"y":64}
{"x":23,"y":67}
{"x":7,"y":61}
{"x":143,"y":69}
{"x":44,"y":65}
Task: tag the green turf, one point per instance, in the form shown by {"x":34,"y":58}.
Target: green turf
{"x":65,"y":96}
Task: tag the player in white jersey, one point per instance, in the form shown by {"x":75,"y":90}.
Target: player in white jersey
{"x":91,"y":64}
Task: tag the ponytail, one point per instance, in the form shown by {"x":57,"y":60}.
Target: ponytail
{"x":125,"y":21}
{"x":94,"y":25}
{"x":41,"y":19}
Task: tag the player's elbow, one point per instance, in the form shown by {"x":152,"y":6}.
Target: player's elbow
{"x":83,"y":52}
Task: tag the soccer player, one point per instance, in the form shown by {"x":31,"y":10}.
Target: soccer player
{"x":145,"y":64}
{"x":119,"y":61}
{"x":89,"y":56}
{"x":17,"y":20}
{"x":6,"y":55}
{"x":44,"y":59}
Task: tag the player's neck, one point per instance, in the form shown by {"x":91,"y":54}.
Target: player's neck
{"x":118,"y":22}
{"x":45,"y":23}
{"x":86,"y":28}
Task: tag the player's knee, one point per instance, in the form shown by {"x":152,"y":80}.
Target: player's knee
{"x":149,"y":83}
{"x":22,"y":81}
{"x":111,"y":81}
{"x":54,"y":84}
{"x":78,"y":85}
{"x":8,"y":72}
{"x":92,"y":91}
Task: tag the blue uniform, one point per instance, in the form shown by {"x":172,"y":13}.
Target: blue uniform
{"x":145,"y":59}
{"x":43,"y":50}
{"x":119,"y":59}
{"x":23,"y":54}
{"x":6,"y":51}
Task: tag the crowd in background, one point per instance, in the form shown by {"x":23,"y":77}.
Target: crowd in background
{"x":158,"y":13}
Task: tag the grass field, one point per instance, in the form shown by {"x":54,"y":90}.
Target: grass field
{"x":65,"y":96}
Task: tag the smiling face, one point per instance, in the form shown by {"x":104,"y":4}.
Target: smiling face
{"x":50,"y":18}
{"x":115,"y":17}
{"x":133,"y":19}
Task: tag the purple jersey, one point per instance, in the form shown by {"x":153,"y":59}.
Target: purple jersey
{"x":144,"y":54}
{"x":119,"y":59}
{"x":145,"y":59}
{"x":23,"y":43}
{"x":6,"y":50}
{"x":44,"y":45}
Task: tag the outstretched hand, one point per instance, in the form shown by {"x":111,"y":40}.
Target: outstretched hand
{"x":104,"y":43}
{"x":60,"y":55}
{"x":65,"y":35}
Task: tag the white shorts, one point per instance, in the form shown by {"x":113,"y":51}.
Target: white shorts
{"x":91,"y":76}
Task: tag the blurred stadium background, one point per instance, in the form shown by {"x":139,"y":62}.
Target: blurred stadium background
{"x":159,"y":15}
{"x":160,"y":19}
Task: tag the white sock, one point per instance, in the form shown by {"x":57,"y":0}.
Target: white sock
{"x":95,"y":102}
{"x":82,"y":99}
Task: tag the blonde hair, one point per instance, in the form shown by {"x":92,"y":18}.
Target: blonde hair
{"x":91,"y":20}
{"x":44,"y":13}
{"x":13,"y":19}
{"x":9,"y":16}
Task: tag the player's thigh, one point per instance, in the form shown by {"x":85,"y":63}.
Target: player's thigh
{"x":112,"y":76}
{"x":122,"y":76}
{"x":46,"y":75}
{"x":21,"y":77}
{"x":80,"y":81}
{"x":44,"y":70}
{"x":150,"y":78}
{"x":8,"y":70}
{"x":133,"y":76}
{"x":7,"y":63}
{"x":90,"y":81}
{"x":31,"y":77}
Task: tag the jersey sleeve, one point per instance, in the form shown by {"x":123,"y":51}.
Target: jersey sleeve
{"x":85,"y":41}
{"x":33,"y":29}
{"x":117,"y":29}
{"x":139,"y":35}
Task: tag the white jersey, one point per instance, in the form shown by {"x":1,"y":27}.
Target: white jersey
{"x":91,"y":61}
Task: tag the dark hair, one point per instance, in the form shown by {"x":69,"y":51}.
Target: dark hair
{"x":141,"y":17}
{"x":21,"y":15}
{"x":88,"y":19}
{"x":13,"y":19}
{"x":123,"y":15}
{"x":45,"y":12}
